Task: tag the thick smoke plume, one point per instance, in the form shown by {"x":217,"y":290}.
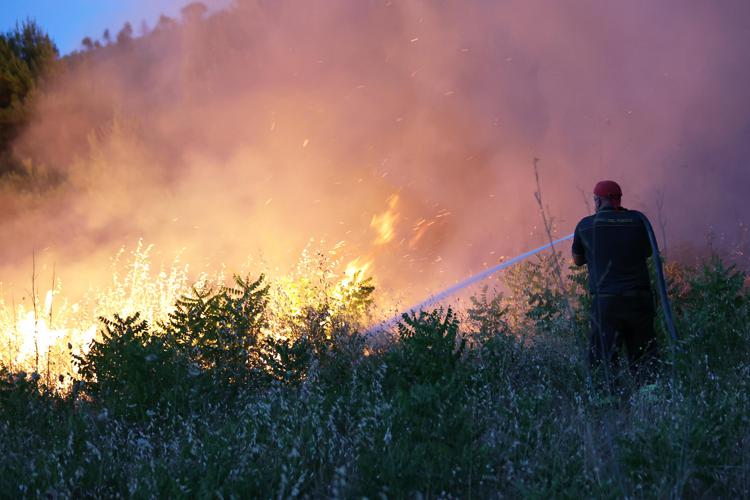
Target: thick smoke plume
{"x":406,"y":129}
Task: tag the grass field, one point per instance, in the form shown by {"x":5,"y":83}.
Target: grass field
{"x":264,"y":390}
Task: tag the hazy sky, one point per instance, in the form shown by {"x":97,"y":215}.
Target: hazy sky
{"x":69,"y":21}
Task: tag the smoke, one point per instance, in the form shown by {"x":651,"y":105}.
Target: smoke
{"x":267,"y":124}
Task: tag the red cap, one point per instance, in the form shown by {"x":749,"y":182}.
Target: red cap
{"x":608,"y":189}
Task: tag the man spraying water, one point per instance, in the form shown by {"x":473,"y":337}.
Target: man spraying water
{"x":615,"y":244}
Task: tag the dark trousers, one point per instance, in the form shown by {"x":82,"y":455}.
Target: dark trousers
{"x":628,"y":321}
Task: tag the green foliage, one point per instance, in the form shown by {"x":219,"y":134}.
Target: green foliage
{"x":287,"y":360}
{"x":713,"y":314}
{"x":430,"y":414}
{"x":488,"y":314}
{"x":132,"y":371}
{"x":33,"y":47}
{"x":689,"y":442}
{"x":539,"y":300}
{"x":26,"y":58}
{"x":432,"y":435}
{"x":718,"y":291}
{"x":331,"y":357}
{"x":20,"y":393}
{"x":219,"y":329}
{"x":547,"y":308}
{"x":429,"y":348}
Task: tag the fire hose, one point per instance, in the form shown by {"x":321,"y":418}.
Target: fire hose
{"x":660,"y":283}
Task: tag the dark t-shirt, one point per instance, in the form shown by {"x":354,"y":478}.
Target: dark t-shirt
{"x":615,"y":244}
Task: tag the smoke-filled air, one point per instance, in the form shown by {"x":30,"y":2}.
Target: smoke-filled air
{"x":404,"y":132}
{"x":379,"y":150}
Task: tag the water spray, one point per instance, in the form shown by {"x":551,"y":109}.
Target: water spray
{"x":660,"y":283}
{"x":385,"y":325}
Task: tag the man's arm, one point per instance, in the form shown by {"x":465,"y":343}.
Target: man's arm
{"x":578,"y":259}
{"x":579,"y":252}
{"x":645,"y":241}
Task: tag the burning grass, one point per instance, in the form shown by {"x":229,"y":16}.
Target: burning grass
{"x":42,"y":334}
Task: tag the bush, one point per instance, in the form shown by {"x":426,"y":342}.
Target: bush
{"x":428,"y":351}
{"x":712,"y":309}
{"x":133,"y":372}
{"x":219,"y":330}
{"x":21,"y":394}
{"x":432,"y":437}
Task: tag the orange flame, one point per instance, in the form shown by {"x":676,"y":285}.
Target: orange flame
{"x":355,"y":270}
{"x":385,"y":223}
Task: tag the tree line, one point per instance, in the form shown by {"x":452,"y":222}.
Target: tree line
{"x":27,"y":59}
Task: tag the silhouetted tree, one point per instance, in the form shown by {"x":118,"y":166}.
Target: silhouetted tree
{"x":88,"y":43}
{"x":107,"y":37}
{"x":125,"y":34}
{"x":26,"y":58}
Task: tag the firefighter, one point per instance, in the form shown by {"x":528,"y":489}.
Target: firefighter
{"x":614,"y":244}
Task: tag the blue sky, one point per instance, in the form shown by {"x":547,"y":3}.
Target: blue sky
{"x":69,"y":21}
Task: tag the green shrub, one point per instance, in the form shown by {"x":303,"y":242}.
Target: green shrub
{"x":429,"y":349}
{"x":713,"y":318}
{"x":219,"y":329}
{"x":132,"y":371}
{"x":546,"y":298}
{"x":21,"y":394}
{"x":487,"y":315}
{"x":287,"y":360}
{"x":432,"y":438}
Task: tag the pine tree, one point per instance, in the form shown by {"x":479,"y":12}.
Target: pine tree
{"x":125,"y":34}
{"x":27,"y":57}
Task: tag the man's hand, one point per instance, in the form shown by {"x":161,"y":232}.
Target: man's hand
{"x":579,"y":260}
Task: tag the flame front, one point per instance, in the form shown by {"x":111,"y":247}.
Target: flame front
{"x":30,"y":343}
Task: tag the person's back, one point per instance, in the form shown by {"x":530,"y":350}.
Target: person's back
{"x":614,"y":244}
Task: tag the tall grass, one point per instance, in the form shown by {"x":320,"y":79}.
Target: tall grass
{"x":239,"y":394}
